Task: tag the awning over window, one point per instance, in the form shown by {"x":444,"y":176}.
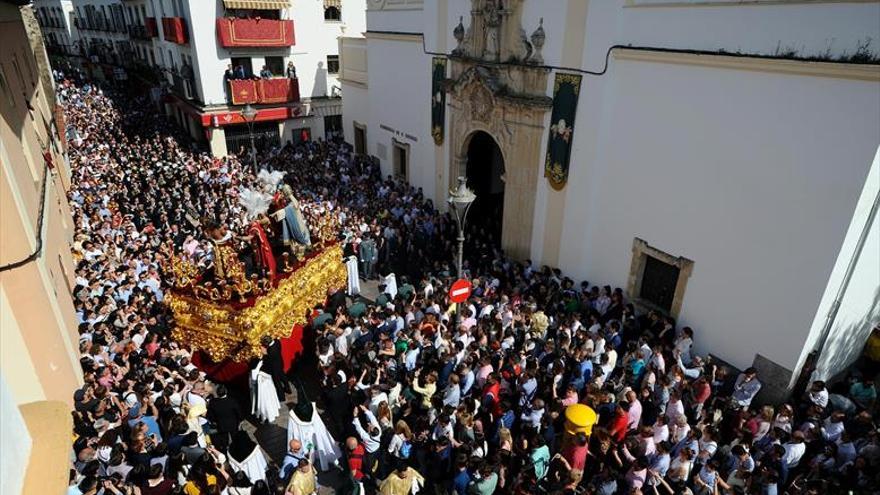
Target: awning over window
{"x":333,"y":3}
{"x":257,"y":4}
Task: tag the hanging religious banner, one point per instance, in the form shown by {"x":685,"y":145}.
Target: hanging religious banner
{"x":438,"y":99}
{"x":565,"y":98}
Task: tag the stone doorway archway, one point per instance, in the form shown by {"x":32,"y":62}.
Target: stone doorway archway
{"x":485,"y":176}
{"x":498,"y":85}
{"x":507,"y":104}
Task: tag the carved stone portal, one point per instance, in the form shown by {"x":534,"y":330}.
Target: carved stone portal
{"x":509,"y":103}
{"x":480,"y":100}
{"x":498,"y":86}
{"x":495,"y":33}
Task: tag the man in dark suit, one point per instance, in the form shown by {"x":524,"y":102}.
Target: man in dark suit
{"x":273,"y":364}
{"x":338,"y":402}
{"x":226,"y":414}
{"x":191,"y":449}
{"x":335,"y":300}
{"x":229,"y":75}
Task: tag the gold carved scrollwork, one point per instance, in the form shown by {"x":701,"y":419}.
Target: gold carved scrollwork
{"x":223,"y":331}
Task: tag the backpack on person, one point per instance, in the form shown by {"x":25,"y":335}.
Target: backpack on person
{"x":405,"y":449}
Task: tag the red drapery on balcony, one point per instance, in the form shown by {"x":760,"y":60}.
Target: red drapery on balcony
{"x":175,"y":29}
{"x":152,"y":29}
{"x":243,"y":91}
{"x":277,"y":90}
{"x":254,"y":32}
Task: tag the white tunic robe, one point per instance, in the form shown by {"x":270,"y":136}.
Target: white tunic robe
{"x":354,"y":282}
{"x":315,"y":438}
{"x":264,"y":398}
{"x":391,"y":285}
{"x":254,"y":465}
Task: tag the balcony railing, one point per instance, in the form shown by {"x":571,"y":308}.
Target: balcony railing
{"x":254,"y":32}
{"x":174,"y":29}
{"x":151,"y":27}
{"x":266,"y":91}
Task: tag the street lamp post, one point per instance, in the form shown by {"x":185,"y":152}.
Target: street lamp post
{"x":249,"y":114}
{"x":460,"y":200}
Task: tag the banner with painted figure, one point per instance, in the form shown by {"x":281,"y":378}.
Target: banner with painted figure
{"x":565,"y":99}
{"x":438,"y":99}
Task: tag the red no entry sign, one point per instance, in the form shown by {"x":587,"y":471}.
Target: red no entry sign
{"x":460,"y":291}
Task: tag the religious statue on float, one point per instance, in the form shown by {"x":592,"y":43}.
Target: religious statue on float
{"x":225,"y":274}
{"x":224,"y":265}
{"x":288,"y":213}
{"x":240,"y":284}
{"x":254,"y":261}
{"x":256,"y":204}
{"x":288,"y":234}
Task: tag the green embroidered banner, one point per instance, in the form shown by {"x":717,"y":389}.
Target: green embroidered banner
{"x":565,"y":98}
{"x":438,"y":99}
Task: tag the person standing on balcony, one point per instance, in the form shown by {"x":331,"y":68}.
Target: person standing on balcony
{"x":240,"y":73}
{"x":228,"y":76}
{"x":265,"y":73}
{"x":291,"y":70}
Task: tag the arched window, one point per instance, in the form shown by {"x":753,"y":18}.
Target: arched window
{"x":332,"y":10}
{"x":332,"y":14}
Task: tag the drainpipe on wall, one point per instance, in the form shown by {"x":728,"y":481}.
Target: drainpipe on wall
{"x":841,"y":291}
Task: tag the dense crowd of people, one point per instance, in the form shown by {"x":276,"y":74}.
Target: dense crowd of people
{"x":420,"y":394}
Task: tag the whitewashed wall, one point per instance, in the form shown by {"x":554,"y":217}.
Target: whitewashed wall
{"x":354,"y":17}
{"x":209,"y":60}
{"x":753,"y":176}
{"x":316,"y":39}
{"x":809,"y":28}
{"x":405,"y":17}
{"x":404,"y":97}
{"x":356,"y":108}
{"x":15,"y":442}
{"x":860,"y":306}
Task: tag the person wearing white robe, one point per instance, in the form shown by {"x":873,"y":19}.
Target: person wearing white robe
{"x":354,"y":282}
{"x":245,"y":455}
{"x":391,"y":285}
{"x":305,"y":424}
{"x":264,"y":398}
{"x":315,"y":437}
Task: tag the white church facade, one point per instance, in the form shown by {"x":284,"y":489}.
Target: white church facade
{"x":715,"y":159}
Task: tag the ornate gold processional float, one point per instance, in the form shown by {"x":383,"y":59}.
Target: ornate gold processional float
{"x":222,"y":310}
